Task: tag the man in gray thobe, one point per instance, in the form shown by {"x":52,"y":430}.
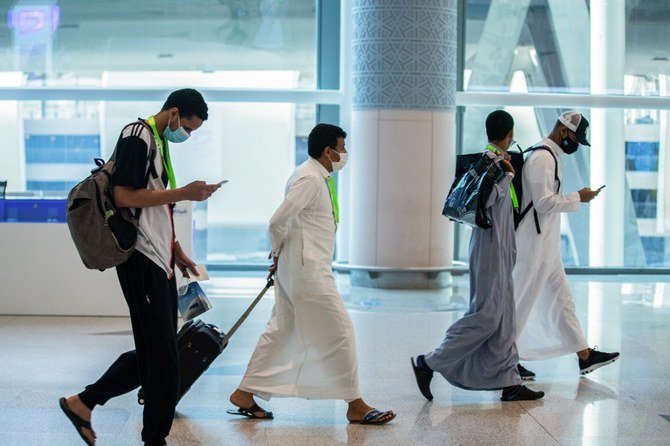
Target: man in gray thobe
{"x":479,"y":350}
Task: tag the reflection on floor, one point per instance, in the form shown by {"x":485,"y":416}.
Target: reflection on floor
{"x":625,"y":403}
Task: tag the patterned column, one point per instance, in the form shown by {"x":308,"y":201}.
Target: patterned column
{"x":403,"y":140}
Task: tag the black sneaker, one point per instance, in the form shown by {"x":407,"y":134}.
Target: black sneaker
{"x":596,"y":360}
{"x":526,"y":374}
{"x":520,"y":393}
{"x":424,"y":375}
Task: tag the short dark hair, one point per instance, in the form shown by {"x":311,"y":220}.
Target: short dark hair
{"x":498,"y":125}
{"x":189,"y":102}
{"x":322,"y":136}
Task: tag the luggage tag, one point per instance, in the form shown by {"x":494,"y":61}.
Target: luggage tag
{"x":192,"y":300}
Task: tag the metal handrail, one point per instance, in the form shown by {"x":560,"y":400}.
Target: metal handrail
{"x":456,"y":267}
{"x":160,"y":93}
{"x":561,"y":100}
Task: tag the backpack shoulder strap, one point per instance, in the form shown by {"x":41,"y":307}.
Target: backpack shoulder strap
{"x":112,"y":157}
{"x":551,"y":152}
{"x":527,"y":209}
{"x":151,"y":168}
{"x":152,"y":150}
{"x":152,"y":154}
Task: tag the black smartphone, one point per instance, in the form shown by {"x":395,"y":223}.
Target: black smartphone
{"x":601,"y":187}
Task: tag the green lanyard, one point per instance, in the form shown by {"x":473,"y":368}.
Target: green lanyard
{"x":164,"y":149}
{"x":512,"y":191}
{"x":333,"y":197}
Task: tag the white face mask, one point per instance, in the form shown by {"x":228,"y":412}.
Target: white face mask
{"x":339,"y":165}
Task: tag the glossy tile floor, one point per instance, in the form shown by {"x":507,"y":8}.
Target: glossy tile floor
{"x":628,"y":402}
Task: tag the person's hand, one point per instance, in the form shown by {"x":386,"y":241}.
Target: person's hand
{"x":199,"y":190}
{"x":507,"y":166}
{"x":586,"y":195}
{"x":183,"y":261}
{"x":273,"y":267}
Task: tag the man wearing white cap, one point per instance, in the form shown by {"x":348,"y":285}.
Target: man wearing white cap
{"x":547,"y":325}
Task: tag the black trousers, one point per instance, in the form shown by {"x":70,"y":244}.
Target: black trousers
{"x":152,"y":301}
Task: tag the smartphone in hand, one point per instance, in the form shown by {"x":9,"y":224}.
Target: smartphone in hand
{"x":600,"y":188}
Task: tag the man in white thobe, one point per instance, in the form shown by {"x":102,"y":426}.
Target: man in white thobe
{"x":308,"y":349}
{"x":547,"y":325}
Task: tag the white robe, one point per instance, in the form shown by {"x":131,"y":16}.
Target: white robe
{"x":308,"y":349}
{"x":547,"y":325}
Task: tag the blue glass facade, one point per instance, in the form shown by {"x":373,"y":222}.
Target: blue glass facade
{"x":642,"y":156}
{"x":66,"y":149}
{"x":63,"y":150}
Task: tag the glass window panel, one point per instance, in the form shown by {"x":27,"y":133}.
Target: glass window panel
{"x":549,"y":41}
{"x":77,"y":42}
{"x":49,"y":147}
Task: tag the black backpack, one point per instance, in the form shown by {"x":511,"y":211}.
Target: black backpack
{"x":517,"y":162}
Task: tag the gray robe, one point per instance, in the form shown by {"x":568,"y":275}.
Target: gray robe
{"x":479,"y":350}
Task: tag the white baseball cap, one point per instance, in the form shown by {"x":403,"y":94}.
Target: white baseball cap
{"x":576,"y":122}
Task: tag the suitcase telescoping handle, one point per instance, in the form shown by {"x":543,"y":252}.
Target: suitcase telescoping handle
{"x":242,"y":318}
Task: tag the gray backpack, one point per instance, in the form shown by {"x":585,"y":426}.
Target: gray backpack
{"x":104,"y":235}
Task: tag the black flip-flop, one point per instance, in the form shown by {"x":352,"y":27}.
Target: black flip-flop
{"x":78,"y":423}
{"x":375,"y":417}
{"x":250,"y":412}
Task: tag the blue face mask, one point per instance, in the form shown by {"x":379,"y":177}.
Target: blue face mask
{"x":177,"y":136}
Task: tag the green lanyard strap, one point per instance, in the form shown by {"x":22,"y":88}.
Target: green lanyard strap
{"x":333,"y":197}
{"x":164,"y":149}
{"x":512,"y":191}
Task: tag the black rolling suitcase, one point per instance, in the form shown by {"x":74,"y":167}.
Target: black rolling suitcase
{"x":200,"y":344}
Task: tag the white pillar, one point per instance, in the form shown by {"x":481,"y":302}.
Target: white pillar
{"x":404,"y":163}
{"x":403,"y":150}
{"x":608,"y":48}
